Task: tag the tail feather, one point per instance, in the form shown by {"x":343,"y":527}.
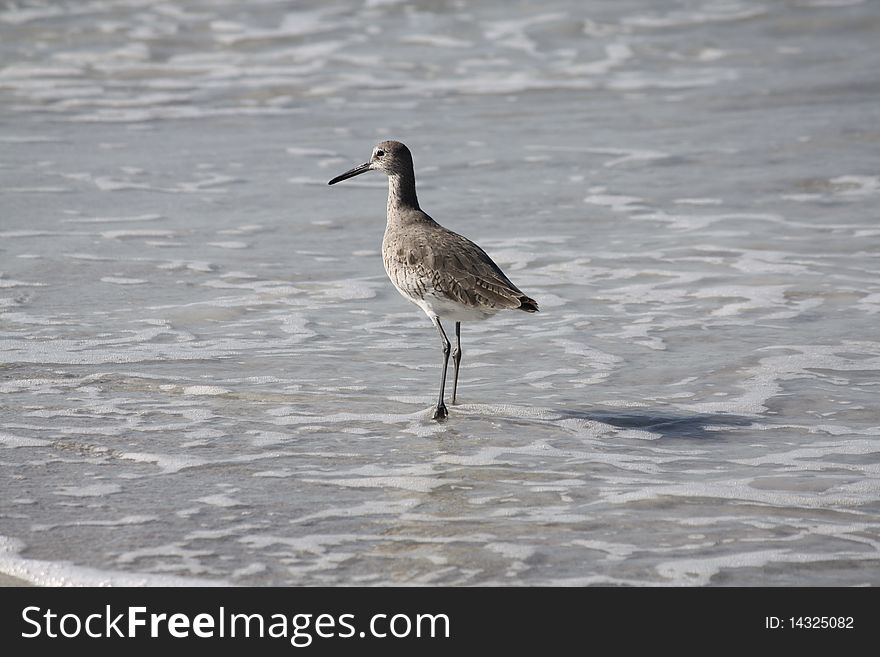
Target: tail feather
{"x":528,"y":304}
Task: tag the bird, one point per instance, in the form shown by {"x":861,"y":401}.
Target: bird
{"x":445,"y":274}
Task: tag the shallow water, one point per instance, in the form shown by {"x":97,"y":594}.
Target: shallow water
{"x":207,"y":377}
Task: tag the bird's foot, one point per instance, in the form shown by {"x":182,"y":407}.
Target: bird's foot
{"x":440,"y":413}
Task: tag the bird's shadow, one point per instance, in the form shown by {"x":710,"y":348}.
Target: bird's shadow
{"x":693,"y":426}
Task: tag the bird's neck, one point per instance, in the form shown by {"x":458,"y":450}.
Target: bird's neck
{"x":401,"y":194}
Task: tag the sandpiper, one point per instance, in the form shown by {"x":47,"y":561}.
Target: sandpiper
{"x":443,"y":273}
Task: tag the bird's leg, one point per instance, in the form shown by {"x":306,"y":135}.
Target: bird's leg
{"x":440,"y":412}
{"x":456,"y":359}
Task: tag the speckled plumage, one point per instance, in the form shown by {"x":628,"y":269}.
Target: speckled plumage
{"x":424,"y":260}
{"x":445,"y":274}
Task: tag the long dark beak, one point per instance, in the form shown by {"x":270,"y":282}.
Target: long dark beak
{"x":351,"y":173}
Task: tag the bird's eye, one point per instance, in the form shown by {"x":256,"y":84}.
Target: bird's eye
{"x":380,"y":153}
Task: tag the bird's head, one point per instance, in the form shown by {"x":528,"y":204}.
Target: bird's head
{"x":391,"y":157}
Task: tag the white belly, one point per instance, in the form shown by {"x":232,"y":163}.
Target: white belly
{"x":435,"y":306}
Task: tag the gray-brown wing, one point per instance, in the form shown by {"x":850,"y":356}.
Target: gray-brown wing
{"x":445,"y":264}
